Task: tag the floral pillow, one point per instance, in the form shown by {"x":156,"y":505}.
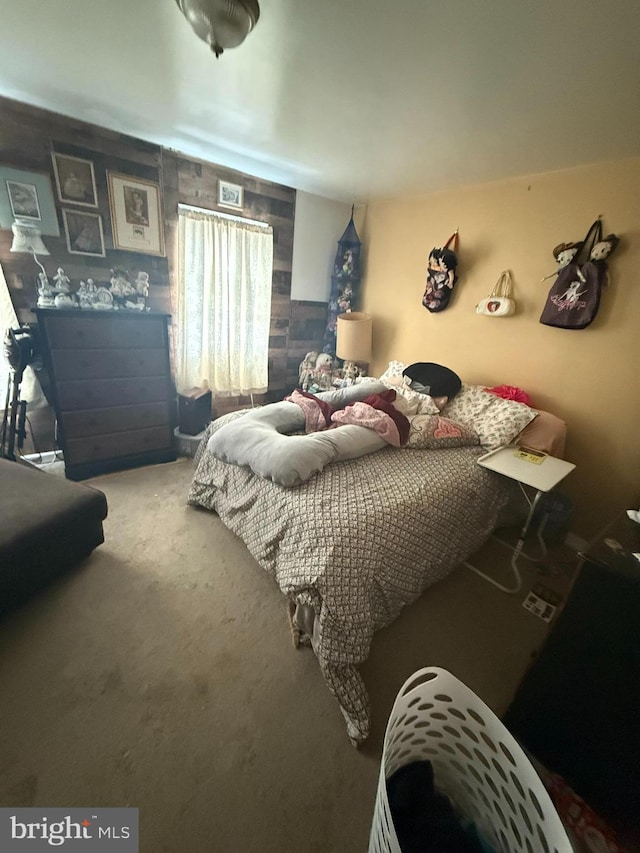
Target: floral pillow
{"x":429,"y":432}
{"x":495,"y":420}
{"x":470,"y":402}
{"x":416,"y":403}
{"x":395,"y":368}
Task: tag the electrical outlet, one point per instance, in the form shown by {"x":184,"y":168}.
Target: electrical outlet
{"x":542,"y":602}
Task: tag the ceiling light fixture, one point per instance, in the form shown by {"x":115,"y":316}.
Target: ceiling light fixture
{"x":221,"y":23}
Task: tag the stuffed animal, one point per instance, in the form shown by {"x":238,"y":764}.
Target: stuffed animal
{"x":441,"y":275}
{"x":603,"y":249}
{"x":564,"y":253}
{"x":305,"y":372}
{"x":322,"y":374}
{"x":448,"y":264}
{"x":350,"y":372}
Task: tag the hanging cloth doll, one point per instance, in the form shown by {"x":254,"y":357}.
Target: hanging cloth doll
{"x":441,"y":275}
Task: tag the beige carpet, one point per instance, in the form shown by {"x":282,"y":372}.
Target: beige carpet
{"x":161,"y":675}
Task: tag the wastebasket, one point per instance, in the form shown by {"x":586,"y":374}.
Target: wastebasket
{"x":477,"y":764}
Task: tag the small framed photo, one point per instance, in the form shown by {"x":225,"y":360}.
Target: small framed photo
{"x":136,"y":214}
{"x":27,"y":196}
{"x":230,"y":195}
{"x":75,"y":180}
{"x":23,"y":199}
{"x":84,"y":233}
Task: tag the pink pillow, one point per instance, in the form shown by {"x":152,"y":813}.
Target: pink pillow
{"x":547,"y":433}
{"x":510,"y":392}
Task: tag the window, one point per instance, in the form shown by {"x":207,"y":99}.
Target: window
{"x":224,"y":303}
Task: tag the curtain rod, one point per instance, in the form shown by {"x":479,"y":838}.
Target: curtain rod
{"x":223,"y":215}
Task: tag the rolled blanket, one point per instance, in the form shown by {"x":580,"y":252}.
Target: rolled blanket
{"x":317,"y":412}
{"x":378,"y":413}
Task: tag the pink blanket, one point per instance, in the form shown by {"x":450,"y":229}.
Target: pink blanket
{"x":375,"y":412}
{"x":317,"y":413}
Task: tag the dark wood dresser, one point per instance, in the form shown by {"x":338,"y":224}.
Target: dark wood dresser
{"x":111,"y":386}
{"x":578,"y":707}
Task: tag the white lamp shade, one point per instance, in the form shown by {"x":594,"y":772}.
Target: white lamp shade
{"x":353,"y":336}
{"x":26,"y":238}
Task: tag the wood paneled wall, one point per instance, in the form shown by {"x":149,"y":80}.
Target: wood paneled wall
{"x":28,"y":135}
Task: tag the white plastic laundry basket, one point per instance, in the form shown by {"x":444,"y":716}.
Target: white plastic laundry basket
{"x":476,"y":763}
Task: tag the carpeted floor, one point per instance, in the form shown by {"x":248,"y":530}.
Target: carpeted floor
{"x":161,"y":674}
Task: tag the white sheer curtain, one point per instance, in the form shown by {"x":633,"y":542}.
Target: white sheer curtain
{"x":224,"y":304}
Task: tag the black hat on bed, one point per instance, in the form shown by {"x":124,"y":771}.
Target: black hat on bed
{"x":436,"y":380}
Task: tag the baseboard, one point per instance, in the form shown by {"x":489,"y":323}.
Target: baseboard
{"x":576,"y":543}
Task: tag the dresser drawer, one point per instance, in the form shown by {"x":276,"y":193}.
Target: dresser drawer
{"x":100,"y":332}
{"x":100,"y":393}
{"x":103,"y":363}
{"x":117,"y":444}
{"x":118,"y":419}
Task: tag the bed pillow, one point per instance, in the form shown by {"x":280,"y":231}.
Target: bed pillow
{"x":341,"y":397}
{"x":417,"y":403}
{"x":546,"y":433}
{"x":431,"y":378}
{"x":429,"y":432}
{"x":496,"y":421}
{"x":470,"y":402}
{"x":394,"y":368}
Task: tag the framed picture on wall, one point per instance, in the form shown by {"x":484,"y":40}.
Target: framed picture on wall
{"x":136,"y":214}
{"x":75,"y":180}
{"x":230,"y":195}
{"x":84,"y":233}
{"x":28,"y":196}
{"x":23,"y":199}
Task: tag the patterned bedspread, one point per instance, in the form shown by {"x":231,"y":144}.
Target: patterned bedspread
{"x":357,"y":542}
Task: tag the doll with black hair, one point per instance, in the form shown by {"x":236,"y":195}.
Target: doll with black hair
{"x":441,"y":276}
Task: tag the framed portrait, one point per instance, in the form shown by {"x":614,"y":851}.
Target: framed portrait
{"x":75,"y":180}
{"x":230,"y":195}
{"x":84,"y":233}
{"x":23,"y":199}
{"x":136,"y":214}
{"x":28,"y":196}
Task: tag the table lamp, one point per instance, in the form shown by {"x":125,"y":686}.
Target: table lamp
{"x":353,"y":340}
{"x":26,"y":238}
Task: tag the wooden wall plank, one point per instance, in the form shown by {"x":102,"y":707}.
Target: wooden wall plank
{"x":29,"y":134}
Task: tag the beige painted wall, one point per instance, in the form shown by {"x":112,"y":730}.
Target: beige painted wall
{"x":589,"y":377}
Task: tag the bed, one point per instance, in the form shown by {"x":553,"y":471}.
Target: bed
{"x":359,"y":541}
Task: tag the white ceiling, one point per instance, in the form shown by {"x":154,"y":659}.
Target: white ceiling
{"x":347,"y":99}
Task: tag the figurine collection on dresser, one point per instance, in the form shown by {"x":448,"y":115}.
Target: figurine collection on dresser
{"x":122,"y":294}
